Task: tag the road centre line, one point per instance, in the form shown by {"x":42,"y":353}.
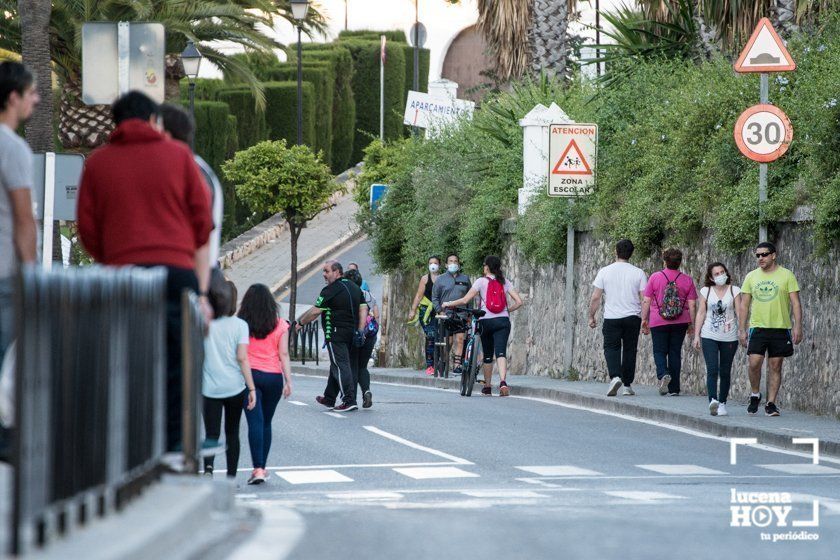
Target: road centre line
{"x":398,"y":439}
{"x":688,"y":431}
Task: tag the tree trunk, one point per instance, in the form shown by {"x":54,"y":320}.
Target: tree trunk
{"x":294,"y":230}
{"x":174,"y":75}
{"x":82,"y":126}
{"x":783,"y":17}
{"x":547,"y":37}
{"x":35,"y":51}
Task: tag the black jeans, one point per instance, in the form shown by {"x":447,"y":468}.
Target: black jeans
{"x":232,"y":407}
{"x":341,"y":381}
{"x":621,"y":341}
{"x":359,"y":358}
{"x":667,"y":352}
{"x":718,"y":356}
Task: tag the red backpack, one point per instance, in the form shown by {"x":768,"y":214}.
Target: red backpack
{"x":496,"y":301}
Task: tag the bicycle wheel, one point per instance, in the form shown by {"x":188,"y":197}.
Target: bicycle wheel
{"x":475,"y":365}
{"x":467,"y":367}
{"x":441,"y":356}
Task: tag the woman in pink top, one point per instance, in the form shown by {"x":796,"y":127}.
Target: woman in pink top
{"x":268,"y":354}
{"x":495,"y":326}
{"x":667,"y":315}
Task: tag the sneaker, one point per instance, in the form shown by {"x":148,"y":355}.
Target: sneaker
{"x":211,"y":447}
{"x":663,"y":384}
{"x":208,"y":471}
{"x":753,"y":406}
{"x":367,"y":400}
{"x":486,"y":391}
{"x":673,"y":394}
{"x":628,"y":391}
{"x":714,"y":407}
{"x":345,"y":407}
{"x":329,"y":403}
{"x":615,"y":385}
{"x":770,"y":409}
{"x":722,"y":410}
{"x":258,"y":476}
{"x":430,"y":370}
{"x":504,"y":390}
{"x":457,"y":371}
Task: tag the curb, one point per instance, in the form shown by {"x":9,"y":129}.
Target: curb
{"x":700,"y":424}
{"x":311,"y":263}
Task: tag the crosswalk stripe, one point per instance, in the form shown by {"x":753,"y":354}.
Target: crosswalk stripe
{"x":559,"y":470}
{"x":335,"y":414}
{"x":801,"y":468}
{"x":313,"y":477}
{"x":503,"y":494}
{"x":641,"y":496}
{"x":680,"y":469}
{"x":298,"y":403}
{"x":371,"y":495}
{"x":423,"y":473}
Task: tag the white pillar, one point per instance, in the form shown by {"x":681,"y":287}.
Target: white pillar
{"x":444,"y":88}
{"x":535,"y":150}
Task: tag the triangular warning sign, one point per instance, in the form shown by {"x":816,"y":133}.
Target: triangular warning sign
{"x":572,"y":162}
{"x":765,"y":52}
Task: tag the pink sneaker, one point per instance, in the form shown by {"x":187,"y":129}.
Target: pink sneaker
{"x":430,"y":370}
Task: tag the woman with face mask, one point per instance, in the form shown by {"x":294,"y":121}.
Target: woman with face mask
{"x":423,"y":303}
{"x":716,"y":332}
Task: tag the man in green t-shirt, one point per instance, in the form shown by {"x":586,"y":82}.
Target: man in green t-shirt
{"x":768,"y":296}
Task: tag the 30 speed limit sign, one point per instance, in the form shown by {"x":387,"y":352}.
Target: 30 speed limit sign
{"x":763,"y":133}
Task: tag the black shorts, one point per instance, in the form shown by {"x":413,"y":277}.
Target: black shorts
{"x":494,"y":337}
{"x":775,"y":343}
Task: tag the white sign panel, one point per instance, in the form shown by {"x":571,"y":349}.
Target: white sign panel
{"x":765,"y":52}
{"x":427,"y":111}
{"x":115,"y":61}
{"x":572,"y":152}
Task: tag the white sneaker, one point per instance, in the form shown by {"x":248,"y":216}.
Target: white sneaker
{"x":615,"y":385}
{"x":714,"y":406}
{"x":628,"y":390}
{"x":722,"y":410}
{"x":663,"y":384}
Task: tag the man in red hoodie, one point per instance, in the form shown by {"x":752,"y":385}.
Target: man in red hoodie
{"x":142,"y":202}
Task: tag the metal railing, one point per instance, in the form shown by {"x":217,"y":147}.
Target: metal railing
{"x":90,"y":395}
{"x":192,"y":362}
{"x":303,"y":345}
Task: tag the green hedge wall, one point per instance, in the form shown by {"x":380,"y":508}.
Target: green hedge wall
{"x":251,"y":124}
{"x":262,"y":64}
{"x":205,"y":89}
{"x":344,"y":106}
{"x":212,"y":132}
{"x":319,"y":74}
{"x":425,"y":63}
{"x":366,"y":92}
{"x":395,"y":35}
{"x":281,"y":111}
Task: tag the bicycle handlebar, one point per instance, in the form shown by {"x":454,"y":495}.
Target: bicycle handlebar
{"x":474,"y":312}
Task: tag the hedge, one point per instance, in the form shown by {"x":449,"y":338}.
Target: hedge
{"x":212,"y":132}
{"x":344,"y":106}
{"x":205,"y":89}
{"x":262,"y":64}
{"x":251,"y":124}
{"x":425,"y":63}
{"x":319,"y":74}
{"x":366,"y":92}
{"x":395,"y":35}
{"x":281,"y":112}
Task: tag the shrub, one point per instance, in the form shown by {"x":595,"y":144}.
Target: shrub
{"x":281,"y":112}
{"x":396,"y":35}
{"x":205,"y":89}
{"x":211,"y":132}
{"x":262,"y":64}
{"x":250,"y":122}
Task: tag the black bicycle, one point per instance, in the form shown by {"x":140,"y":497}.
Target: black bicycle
{"x":453,"y":322}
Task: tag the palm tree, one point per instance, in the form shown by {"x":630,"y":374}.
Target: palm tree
{"x":201,"y":21}
{"x":547,"y":36}
{"x":35,"y":53}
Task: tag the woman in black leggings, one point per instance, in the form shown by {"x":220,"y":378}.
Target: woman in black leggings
{"x":494,"y":291}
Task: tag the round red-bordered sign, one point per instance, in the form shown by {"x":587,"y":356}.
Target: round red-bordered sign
{"x":763,"y":133}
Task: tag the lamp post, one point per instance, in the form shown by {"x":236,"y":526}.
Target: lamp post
{"x":191,"y":59}
{"x":299,"y":9}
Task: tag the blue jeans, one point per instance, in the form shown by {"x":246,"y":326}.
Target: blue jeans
{"x":719,"y":357}
{"x":667,"y":352}
{"x":269,"y":390}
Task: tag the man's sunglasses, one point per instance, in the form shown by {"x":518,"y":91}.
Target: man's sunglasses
{"x":762,"y":255}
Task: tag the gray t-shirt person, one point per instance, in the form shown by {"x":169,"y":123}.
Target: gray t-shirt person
{"x":15,"y":173}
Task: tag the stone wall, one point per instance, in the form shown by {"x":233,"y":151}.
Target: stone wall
{"x":811,"y":379}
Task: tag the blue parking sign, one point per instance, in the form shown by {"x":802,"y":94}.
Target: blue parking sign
{"x":377,"y":191}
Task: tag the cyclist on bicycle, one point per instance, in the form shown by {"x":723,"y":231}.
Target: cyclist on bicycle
{"x":453,"y":285}
{"x":423,"y":303}
{"x":494,"y":290}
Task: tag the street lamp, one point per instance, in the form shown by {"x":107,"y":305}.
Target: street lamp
{"x":299,"y":9}
{"x":191,"y":59}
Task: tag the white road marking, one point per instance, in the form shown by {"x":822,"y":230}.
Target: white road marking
{"x":460,"y":504}
{"x":423,"y":473}
{"x":644,"y":496}
{"x":559,"y":470}
{"x":398,"y":439}
{"x":335,"y":414}
{"x":313,"y":477}
{"x":801,"y":468}
{"x":503,"y":494}
{"x":298,"y":403}
{"x":351,"y":466}
{"x":277,"y":535}
{"x":679,"y":469}
{"x":371,"y":495}
{"x":246,"y":496}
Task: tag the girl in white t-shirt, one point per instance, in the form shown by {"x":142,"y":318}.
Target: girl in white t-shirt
{"x":716,"y":332}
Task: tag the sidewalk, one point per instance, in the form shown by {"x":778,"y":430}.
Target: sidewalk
{"x":685,"y":411}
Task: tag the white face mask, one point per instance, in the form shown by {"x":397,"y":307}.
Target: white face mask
{"x":434,"y":267}
{"x":453,"y":268}
{"x":721,"y":279}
